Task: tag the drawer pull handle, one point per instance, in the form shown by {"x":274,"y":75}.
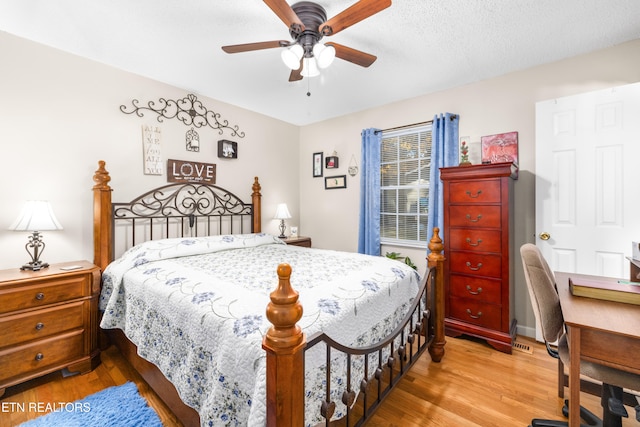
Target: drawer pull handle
{"x":474,"y":268}
{"x":474,"y":293}
{"x":474,"y":220}
{"x":39,"y":356}
{"x":39,"y":326}
{"x":479,"y":315}
{"x":478,"y":193}
{"x":474,"y":244}
{"x":39,"y":296}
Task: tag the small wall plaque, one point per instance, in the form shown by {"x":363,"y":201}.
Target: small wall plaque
{"x":186,"y":171}
{"x":227,"y":149}
{"x":151,"y":146}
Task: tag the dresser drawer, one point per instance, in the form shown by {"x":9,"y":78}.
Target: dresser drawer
{"x":43,"y":293}
{"x":475,"y":312}
{"x":41,"y":354}
{"x":42,"y":323}
{"x":476,"y":264}
{"x":475,"y":191}
{"x":475,"y":216}
{"x":468,"y":239}
{"x":475,"y":288}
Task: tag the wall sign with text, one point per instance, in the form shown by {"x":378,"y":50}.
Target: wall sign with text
{"x":187,"y":171}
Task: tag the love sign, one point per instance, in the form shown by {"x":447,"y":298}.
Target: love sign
{"x":187,"y":171}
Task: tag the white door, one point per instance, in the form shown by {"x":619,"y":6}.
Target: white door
{"x":588,"y":180}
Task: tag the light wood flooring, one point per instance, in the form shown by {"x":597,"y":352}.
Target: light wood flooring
{"x":474,"y":385}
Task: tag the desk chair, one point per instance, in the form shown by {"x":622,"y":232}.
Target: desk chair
{"x":546,"y":306}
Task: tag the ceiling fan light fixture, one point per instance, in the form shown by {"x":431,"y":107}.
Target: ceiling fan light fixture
{"x":324,"y":54}
{"x":291,"y":57}
{"x":310,"y":68}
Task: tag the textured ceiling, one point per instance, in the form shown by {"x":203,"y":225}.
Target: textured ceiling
{"x":422,"y":46}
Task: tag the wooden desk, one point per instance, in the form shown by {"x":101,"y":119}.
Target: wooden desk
{"x":603,"y":332}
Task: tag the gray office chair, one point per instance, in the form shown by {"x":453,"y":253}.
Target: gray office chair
{"x":546,"y":306}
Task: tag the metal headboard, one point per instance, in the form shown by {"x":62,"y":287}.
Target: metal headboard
{"x":180,"y":210}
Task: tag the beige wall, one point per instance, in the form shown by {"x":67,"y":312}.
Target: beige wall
{"x":60,"y":114}
{"x":497,"y":105}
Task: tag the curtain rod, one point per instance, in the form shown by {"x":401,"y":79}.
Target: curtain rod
{"x":453,"y":116}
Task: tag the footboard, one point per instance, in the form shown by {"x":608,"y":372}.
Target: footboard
{"x":383,"y":364}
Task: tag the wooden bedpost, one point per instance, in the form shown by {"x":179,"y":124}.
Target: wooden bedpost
{"x":256,"y":200}
{"x":436,"y":259}
{"x":102,"y":226}
{"x":284,"y":344}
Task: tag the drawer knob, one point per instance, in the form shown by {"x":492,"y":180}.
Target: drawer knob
{"x":477,"y":316}
{"x":474,"y":268}
{"x":474,"y":244}
{"x":474,"y":196}
{"x":40,"y":296}
{"x":478,"y":217}
{"x":39,"y":356}
{"x":472,"y":292}
{"x":39,"y":326}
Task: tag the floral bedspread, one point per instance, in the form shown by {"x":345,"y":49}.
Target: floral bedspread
{"x":195,"y":307}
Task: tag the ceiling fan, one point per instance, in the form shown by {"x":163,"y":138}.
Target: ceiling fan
{"x":308,"y":24}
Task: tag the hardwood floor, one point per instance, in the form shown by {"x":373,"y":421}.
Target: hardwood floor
{"x":474,"y":385}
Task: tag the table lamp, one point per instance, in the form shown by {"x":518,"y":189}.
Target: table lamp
{"x":282,"y":213}
{"x":36,"y":216}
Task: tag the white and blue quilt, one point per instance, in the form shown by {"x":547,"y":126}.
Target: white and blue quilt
{"x":195,"y":307}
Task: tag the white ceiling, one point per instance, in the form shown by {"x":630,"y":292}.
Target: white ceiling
{"x":422,"y":46}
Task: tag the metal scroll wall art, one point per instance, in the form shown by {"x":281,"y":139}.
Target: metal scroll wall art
{"x":189,"y":110}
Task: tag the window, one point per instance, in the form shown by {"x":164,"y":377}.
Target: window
{"x":405,"y":163}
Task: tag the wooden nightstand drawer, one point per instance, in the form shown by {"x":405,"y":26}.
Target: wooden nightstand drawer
{"x":44,"y":292}
{"x":471,"y":191}
{"x":298,"y":241}
{"x":41,"y":354}
{"x":41,"y":323}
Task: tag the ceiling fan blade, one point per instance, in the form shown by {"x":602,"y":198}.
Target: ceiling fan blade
{"x":296,"y":74}
{"x":353,"y":55}
{"x":236,"y":48}
{"x":286,"y":14}
{"x":352,"y":15}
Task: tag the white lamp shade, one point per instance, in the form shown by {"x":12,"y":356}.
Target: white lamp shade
{"x":310,"y":68}
{"x":36,"y":215}
{"x":324,"y":55}
{"x":291,"y":57}
{"x":282,"y":212}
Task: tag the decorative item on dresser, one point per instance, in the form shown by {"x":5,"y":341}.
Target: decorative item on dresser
{"x":48,"y":321}
{"x":298,"y":241}
{"x":478,"y":242}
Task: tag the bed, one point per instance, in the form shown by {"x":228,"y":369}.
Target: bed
{"x":202,"y":304}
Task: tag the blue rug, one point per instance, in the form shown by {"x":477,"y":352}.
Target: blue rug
{"x":120,"y":406}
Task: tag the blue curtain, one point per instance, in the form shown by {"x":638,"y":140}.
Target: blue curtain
{"x":369,"y":228}
{"x":444,"y":152}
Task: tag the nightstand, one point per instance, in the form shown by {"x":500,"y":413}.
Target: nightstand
{"x":48,"y":321}
{"x":298,"y":241}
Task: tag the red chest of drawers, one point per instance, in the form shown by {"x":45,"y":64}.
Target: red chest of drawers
{"x":477,"y":246}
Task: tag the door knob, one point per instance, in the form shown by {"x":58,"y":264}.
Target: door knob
{"x":545,"y":236}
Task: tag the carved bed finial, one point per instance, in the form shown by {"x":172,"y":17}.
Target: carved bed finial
{"x":283,"y":312}
{"x":101,"y":177}
{"x":435,"y":246}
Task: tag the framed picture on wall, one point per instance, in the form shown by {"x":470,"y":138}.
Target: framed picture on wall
{"x":317,"y":164}
{"x":331,"y":182}
{"x":227,"y":149}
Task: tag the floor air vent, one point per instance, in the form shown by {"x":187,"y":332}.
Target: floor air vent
{"x":525,"y":348}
